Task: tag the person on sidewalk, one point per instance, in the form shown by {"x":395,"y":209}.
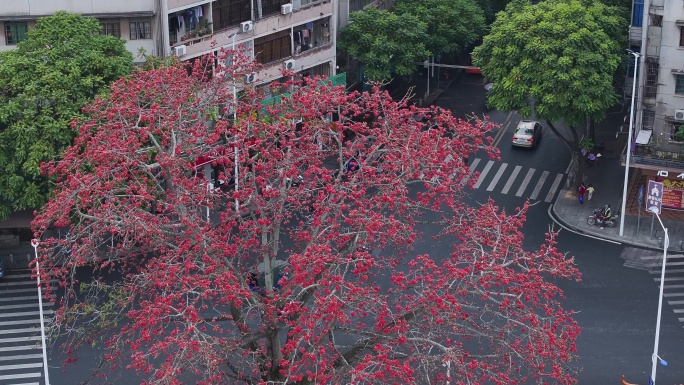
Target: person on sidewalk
{"x":582,"y":190}
{"x":590,"y":191}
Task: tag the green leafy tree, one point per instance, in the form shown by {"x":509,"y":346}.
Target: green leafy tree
{"x":384,"y":42}
{"x":452,"y":24}
{"x":63,"y":64}
{"x":555,"y":59}
{"x":491,"y":8}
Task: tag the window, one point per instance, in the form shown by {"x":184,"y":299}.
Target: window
{"x":637,"y":13}
{"x":676,"y":131}
{"x":272,"y":47}
{"x":15,"y":32}
{"x":656,"y":20}
{"x":319,"y":70}
{"x":140,"y":30}
{"x":311,"y":35}
{"x":652,"y":69}
{"x":648,"y":119}
{"x":111,"y":28}
{"x":681,"y":36}
{"x":679,"y":84}
{"x":269,"y":7}
{"x":359,"y":5}
{"x":227,"y":13}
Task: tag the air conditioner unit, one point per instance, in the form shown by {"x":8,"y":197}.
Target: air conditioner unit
{"x":180,"y":50}
{"x":246,"y":26}
{"x":286,"y":9}
{"x":289,"y":64}
{"x":250,"y":78}
{"x":679,"y":115}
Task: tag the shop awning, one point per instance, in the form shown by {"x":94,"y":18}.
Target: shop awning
{"x":644,"y":136}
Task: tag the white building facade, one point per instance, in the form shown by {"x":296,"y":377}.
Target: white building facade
{"x":657,"y":32}
{"x":296,"y":34}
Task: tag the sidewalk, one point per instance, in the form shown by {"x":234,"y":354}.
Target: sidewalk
{"x":607,"y":177}
{"x":416,"y":89}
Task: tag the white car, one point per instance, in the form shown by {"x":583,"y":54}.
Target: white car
{"x":527,"y":134}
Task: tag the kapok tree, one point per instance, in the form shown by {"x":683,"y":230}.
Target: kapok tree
{"x":307,"y":265}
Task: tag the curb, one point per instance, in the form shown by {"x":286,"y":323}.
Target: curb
{"x":557,"y":218}
{"x":621,"y":240}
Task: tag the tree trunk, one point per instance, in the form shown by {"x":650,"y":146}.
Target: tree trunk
{"x":591,"y":129}
{"x":574,"y":147}
{"x":577,"y":154}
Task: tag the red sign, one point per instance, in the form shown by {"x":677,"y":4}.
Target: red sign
{"x":673,"y":193}
{"x":672,"y":197}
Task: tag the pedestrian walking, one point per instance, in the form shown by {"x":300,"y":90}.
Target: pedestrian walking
{"x":582,"y":190}
{"x":590,"y":191}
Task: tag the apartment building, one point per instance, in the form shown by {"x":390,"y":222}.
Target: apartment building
{"x":295,"y":34}
{"x":136,"y":21}
{"x":657,"y":33}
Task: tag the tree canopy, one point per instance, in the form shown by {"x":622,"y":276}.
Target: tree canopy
{"x":452,"y":25}
{"x":305,"y":260}
{"x":44,"y":83}
{"x":384,"y":42}
{"x":558,"y":56}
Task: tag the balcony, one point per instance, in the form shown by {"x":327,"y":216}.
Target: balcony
{"x":204,"y":44}
{"x":634,"y":35}
{"x":668,"y":156}
{"x":179,"y":4}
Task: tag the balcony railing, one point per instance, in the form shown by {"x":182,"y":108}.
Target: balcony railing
{"x":667,"y":156}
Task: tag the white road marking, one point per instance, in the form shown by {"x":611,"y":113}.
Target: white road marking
{"x":483,"y":174}
{"x":525,"y":182}
{"x":554,"y":187}
{"x":476,"y":161}
{"x":497,"y":176}
{"x":539,"y":185}
{"x":511,"y":179}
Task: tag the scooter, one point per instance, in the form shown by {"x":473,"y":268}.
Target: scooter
{"x":597,"y":218}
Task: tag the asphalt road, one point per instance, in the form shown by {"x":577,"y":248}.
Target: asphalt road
{"x":616,"y":306}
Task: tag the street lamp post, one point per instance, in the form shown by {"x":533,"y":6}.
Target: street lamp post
{"x":666,"y":243}
{"x":237,"y":152}
{"x":34,"y":243}
{"x":629,"y":144}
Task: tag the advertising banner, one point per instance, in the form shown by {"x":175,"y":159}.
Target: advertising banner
{"x":673,"y":193}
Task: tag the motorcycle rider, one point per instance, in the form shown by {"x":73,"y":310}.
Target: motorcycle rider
{"x":606,"y":213}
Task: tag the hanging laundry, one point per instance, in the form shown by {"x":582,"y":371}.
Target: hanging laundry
{"x":190,"y":22}
{"x":305,"y":33}
{"x":198,"y":12}
{"x":309,"y":25}
{"x":181,"y":22}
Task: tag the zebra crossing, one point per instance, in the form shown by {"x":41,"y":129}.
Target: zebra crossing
{"x":21,"y":358}
{"x":650,"y":260}
{"x":673,"y":289}
{"x":531,"y":185}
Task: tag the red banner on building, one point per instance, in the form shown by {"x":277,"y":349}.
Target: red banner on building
{"x":673,"y":192}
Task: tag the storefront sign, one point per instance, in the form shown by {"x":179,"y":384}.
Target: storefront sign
{"x":673,"y":189}
{"x":672,"y":198}
{"x":665,"y":174}
{"x":673,"y":192}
